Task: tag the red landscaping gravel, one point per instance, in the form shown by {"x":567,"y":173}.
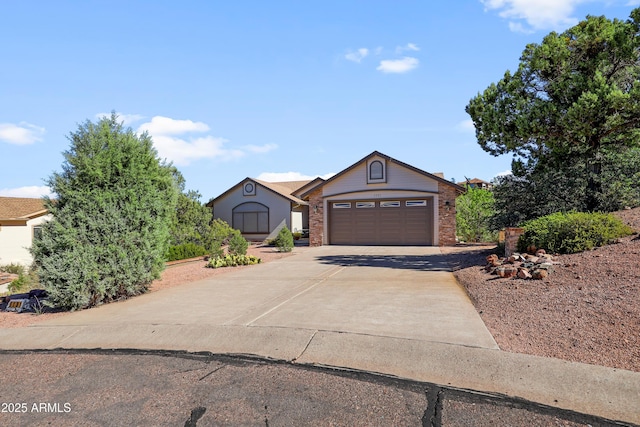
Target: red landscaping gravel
{"x":587,"y":310}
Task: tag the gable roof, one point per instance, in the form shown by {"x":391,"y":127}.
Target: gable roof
{"x":284,"y":189}
{"x":18,"y":208}
{"x":390,"y":159}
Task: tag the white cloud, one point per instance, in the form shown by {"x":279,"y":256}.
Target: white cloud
{"x":358,"y":55}
{"x":126,"y":119}
{"x":398,"y":66}
{"x":21,"y":134}
{"x":172,"y":140}
{"x":408,"y":47}
{"x":260,"y":148}
{"x":467,"y":126}
{"x":33,"y":191}
{"x":377,"y":50}
{"x":182,"y":151}
{"x":504,"y":173}
{"x":290,"y":176}
{"x":167,"y":126}
{"x":633,"y":3}
{"x":538,"y":14}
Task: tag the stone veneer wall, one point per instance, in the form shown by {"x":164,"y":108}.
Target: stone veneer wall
{"x":316,"y":219}
{"x":446,"y":215}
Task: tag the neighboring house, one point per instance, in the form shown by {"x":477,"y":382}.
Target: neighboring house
{"x":476,"y":183}
{"x":257,"y":207}
{"x":376,"y":201}
{"x":20,"y":220}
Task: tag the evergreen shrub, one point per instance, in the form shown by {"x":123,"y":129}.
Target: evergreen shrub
{"x":284,"y":241}
{"x":571,"y":232}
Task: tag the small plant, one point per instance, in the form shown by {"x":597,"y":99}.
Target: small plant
{"x":18,"y":283}
{"x":13,"y":268}
{"x":284,"y":241}
{"x":233,"y":261}
{"x":237,"y":244}
{"x":297,"y":235}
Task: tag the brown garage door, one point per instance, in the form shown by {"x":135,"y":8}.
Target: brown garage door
{"x":381,"y":222}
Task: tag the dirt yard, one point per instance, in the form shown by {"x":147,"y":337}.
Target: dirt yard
{"x":587,"y":311}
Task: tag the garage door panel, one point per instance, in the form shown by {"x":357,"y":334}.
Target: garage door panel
{"x":401,"y":224}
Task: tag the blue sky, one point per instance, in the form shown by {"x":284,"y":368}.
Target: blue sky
{"x":276,"y":90}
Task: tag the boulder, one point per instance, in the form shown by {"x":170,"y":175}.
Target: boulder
{"x":523,"y":273}
{"x":506,"y":271}
{"x":539,"y":273}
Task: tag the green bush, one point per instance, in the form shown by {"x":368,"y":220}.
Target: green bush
{"x":27,"y":279}
{"x":185,"y":251}
{"x":233,"y":261}
{"x":108,"y":238}
{"x":572,"y":232}
{"x":284,"y":241}
{"x":13,"y":268}
{"x":237,"y":244}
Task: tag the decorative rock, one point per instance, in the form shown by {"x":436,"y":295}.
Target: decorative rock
{"x":540,"y":252}
{"x":539,"y":273}
{"x":492,"y":258}
{"x":546,"y":266}
{"x":506,"y":272}
{"x":532,"y":258}
{"x":523,"y":273}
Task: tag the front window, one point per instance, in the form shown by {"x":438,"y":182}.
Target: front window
{"x":251,"y":217}
{"x":376,"y":170}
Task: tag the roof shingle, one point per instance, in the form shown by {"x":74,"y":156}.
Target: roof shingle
{"x":12,"y":208}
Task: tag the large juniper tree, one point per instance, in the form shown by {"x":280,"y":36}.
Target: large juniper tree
{"x":113,"y":204}
{"x":574,"y":100}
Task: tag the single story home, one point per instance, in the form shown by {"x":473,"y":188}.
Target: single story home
{"x":20,"y":220}
{"x":257,"y":208}
{"x":376,"y":201}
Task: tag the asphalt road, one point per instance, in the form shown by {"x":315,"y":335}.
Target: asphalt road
{"x":125,"y":388}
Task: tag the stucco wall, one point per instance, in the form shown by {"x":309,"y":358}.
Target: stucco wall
{"x":279,"y":207}
{"x":400,"y":183}
{"x":398,"y":178}
{"x":15,"y":241}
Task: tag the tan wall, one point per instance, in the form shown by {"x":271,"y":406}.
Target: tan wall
{"x":398,"y":178}
{"x":279,"y":208}
{"x":446,"y":215}
{"x":15,"y":241}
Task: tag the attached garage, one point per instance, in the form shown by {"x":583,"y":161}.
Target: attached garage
{"x":381,"y":222}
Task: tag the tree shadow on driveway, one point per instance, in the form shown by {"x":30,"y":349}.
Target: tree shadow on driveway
{"x":462,"y":257}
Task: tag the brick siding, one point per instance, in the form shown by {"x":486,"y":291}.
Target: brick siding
{"x":316,"y":219}
{"x":446,"y":215}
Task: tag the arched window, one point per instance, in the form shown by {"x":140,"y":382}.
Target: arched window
{"x":251,"y":217}
{"x":376,"y":170}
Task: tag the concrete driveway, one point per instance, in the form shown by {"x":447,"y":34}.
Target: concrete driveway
{"x":397,"y":311}
{"x":403,"y":292}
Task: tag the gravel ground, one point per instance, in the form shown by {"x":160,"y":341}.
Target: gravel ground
{"x":587,"y":311}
